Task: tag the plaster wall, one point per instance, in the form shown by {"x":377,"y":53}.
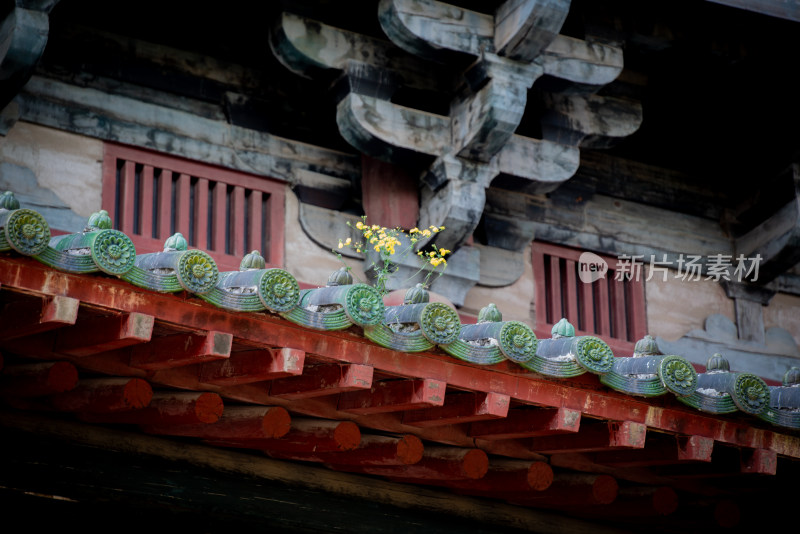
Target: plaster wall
{"x":53,"y":169}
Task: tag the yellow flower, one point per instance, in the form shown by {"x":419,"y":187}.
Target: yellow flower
{"x":426,"y":233}
{"x":360,"y":225}
{"x":348,"y":241}
{"x":444,"y":251}
{"x":414,"y":230}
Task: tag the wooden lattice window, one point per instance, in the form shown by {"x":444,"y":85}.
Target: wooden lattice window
{"x":612,"y":307}
{"x":151,"y":196}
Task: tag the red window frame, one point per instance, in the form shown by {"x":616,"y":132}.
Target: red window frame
{"x":226,"y":213}
{"x":611,"y":309}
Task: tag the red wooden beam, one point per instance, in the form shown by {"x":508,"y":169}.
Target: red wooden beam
{"x":168,"y":408}
{"x":595,"y":437}
{"x":38,"y":379}
{"x":37,"y":316}
{"x":237,"y":422}
{"x":102,"y":334}
{"x":634,"y":503}
{"x":176,"y":350}
{"x":528,"y":422}
{"x":373,"y":450}
{"x":253,"y":366}
{"x":665,"y":451}
{"x":517,"y":476}
{"x":461,"y":408}
{"x":761,"y":461}
{"x":437,"y":463}
{"x":570,"y":490}
{"x":394,"y":396}
{"x":321,"y":380}
{"x":304,"y":436}
{"x":104,"y":395}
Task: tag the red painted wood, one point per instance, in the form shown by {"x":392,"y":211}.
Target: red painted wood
{"x":168,"y":408}
{"x":37,"y":379}
{"x":373,"y":450}
{"x":37,"y":316}
{"x":176,"y":350}
{"x":238,"y":244}
{"x":253,"y":224}
{"x":437,"y":463}
{"x":595,"y":437}
{"x":390,"y":196}
{"x":528,"y":423}
{"x":219,"y":219}
{"x":100,"y":334}
{"x":619,"y":320}
{"x":642,"y":503}
{"x":555,"y":310}
{"x":183,"y":207}
{"x":394,"y":396}
{"x":583,"y":394}
{"x":508,"y":476}
{"x":104,"y":395}
{"x":146,"y":191}
{"x":601,"y":311}
{"x":759,"y":461}
{"x":587,"y":307}
{"x":305,"y":436}
{"x":200,"y":214}
{"x":569,"y":288}
{"x":460,"y":408}
{"x":253,"y":366}
{"x":164,"y":207}
{"x":236,"y":423}
{"x":127,"y":195}
{"x":668,"y":450}
{"x":571,"y":490}
{"x":225,"y":223}
{"x":323,"y":380}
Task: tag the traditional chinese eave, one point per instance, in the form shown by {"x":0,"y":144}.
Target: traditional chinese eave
{"x":176,"y":365}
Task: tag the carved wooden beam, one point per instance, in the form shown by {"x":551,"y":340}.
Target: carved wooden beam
{"x":23,"y":37}
{"x":667,"y":451}
{"x":253,"y":366}
{"x":776,"y":241}
{"x":589,"y":121}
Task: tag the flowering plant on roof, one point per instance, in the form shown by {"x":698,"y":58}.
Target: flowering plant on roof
{"x":390,"y":241}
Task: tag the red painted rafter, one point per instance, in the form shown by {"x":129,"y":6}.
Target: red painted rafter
{"x":394,"y":396}
{"x":253,"y":366}
{"x":461,"y":408}
{"x":322,"y":380}
{"x":176,"y":350}
{"x":37,"y":316}
{"x":104,"y":395}
{"x":101,"y":334}
{"x":526,"y":423}
{"x":437,"y":463}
